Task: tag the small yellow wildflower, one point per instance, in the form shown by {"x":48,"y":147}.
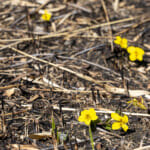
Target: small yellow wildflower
{"x":120,"y":122}
{"x":137,"y":103}
{"x":135,"y":53}
{"x":88,"y":115}
{"x":46,"y":16}
{"x":122,"y":42}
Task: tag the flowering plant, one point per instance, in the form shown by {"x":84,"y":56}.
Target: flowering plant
{"x":87,"y":116}
{"x":135,"y":53}
{"x":137,"y":103}
{"x":120,"y":121}
{"x":46,"y":16}
{"x":122,"y":42}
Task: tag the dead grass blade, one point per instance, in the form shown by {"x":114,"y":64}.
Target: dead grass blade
{"x":132,"y":93}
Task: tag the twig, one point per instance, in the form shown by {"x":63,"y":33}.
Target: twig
{"x":143,"y":148}
{"x":12,"y":44}
{"x":80,"y":7}
{"x":64,"y":91}
{"x":104,"y":111}
{"x":21,"y":56}
{"x":86,"y":50}
{"x":116,"y":5}
{"x":107,"y":18}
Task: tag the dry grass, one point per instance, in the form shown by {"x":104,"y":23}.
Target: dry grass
{"x":58,"y":68}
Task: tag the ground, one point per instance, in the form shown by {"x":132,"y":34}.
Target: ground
{"x":52,"y":70}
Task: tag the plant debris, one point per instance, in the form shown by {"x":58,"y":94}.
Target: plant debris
{"x":52,"y":70}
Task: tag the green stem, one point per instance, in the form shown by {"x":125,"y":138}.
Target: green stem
{"x":91,"y":137}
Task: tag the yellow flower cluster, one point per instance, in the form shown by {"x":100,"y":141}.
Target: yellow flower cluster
{"x":120,"y":122}
{"x":122,"y":42}
{"x":135,"y":53}
{"x":46,"y":16}
{"x":90,"y":115}
{"x":87,"y":116}
{"x":137,"y":103}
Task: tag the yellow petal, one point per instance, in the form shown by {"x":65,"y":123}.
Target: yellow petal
{"x":140,"y":50}
{"x":131,"y":49}
{"x":132,"y":57}
{"x":128,"y":102}
{"x":84,"y":112}
{"x":141,"y":106}
{"x":118,"y":40}
{"x":142,"y":101}
{"x":124,"y":43}
{"x":93,"y":114}
{"x":125,"y":119}
{"x":115,"y":116}
{"x":45,"y":11}
{"x":134,"y":103}
{"x":116,"y":125}
{"x":81,"y":119}
{"x":92,"y":111}
{"x":94,"y":117}
{"x":124,"y":127}
{"x":140,"y":57}
{"x":135,"y":100}
{"x":87,"y":122}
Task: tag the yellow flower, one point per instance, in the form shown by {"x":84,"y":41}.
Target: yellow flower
{"x":46,"y":16}
{"x":120,"y":122}
{"x":88,"y":115}
{"x":135,"y":53}
{"x":137,"y":103}
{"x":122,"y":42}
